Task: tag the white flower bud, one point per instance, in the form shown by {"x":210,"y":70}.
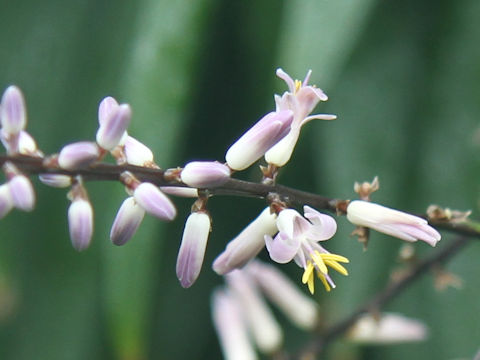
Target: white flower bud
{"x":13,"y":113}
{"x":21,"y":191}
{"x":127,"y":221}
{"x":80,"y":223}
{"x":203,"y":174}
{"x":78,"y":155}
{"x":153,"y":201}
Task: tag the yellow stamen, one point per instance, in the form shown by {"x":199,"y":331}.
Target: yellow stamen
{"x":317,"y":259}
{"x":324,"y":281}
{"x":307,"y":273}
{"x":335,"y":257}
{"x":298,"y":85}
{"x":311,"y":284}
{"x":336,"y":266}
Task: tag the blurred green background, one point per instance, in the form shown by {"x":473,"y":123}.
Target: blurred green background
{"x":403,"y":78}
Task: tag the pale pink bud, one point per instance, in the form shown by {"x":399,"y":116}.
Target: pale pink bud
{"x":27,"y":144}
{"x":78,"y":155}
{"x":21,"y":191}
{"x":137,"y":153}
{"x":56,"y":180}
{"x":80,"y":223}
{"x":264,"y":328}
{"x":180,"y":191}
{"x":230,"y":327}
{"x":106,"y":108}
{"x":258,"y":139}
{"x":247,"y":244}
{"x":391,"y":222}
{"x":13,"y":114}
{"x":390,"y":328}
{"x":298,"y":307}
{"x":192,"y":249}
{"x":6,"y":202}
{"x":205,"y":174}
{"x":127,"y":221}
{"x":153,"y":201}
{"x":111,"y":132}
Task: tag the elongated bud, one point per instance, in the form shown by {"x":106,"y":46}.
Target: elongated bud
{"x":153,"y":201}
{"x":112,"y":130}
{"x":106,"y":108}
{"x":180,"y":191}
{"x":300,"y":309}
{"x":6,"y":202}
{"x":78,"y":155}
{"x":390,"y":328}
{"x":80,"y":223}
{"x":127,"y":221}
{"x":192,"y":249}
{"x":228,"y":320}
{"x":56,"y":180}
{"x":258,"y":139}
{"x":13,"y":114}
{"x":21,"y":191}
{"x":247,"y":244}
{"x":204,"y":174}
{"x":265,"y":329}
{"x":137,"y":153}
{"x":391,"y":222}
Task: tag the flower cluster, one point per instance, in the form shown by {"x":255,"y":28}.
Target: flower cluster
{"x":287,"y":234}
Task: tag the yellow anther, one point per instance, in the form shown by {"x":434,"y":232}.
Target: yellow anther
{"x":318,"y":260}
{"x":335,"y":265}
{"x":335,"y":257}
{"x":307,"y":273}
{"x":298,"y":85}
{"x":324,"y":281}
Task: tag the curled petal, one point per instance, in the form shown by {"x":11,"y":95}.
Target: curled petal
{"x":285,"y":77}
{"x":180,"y":191}
{"x":192,"y":249}
{"x":127,"y":221}
{"x":56,"y":180}
{"x":153,"y":201}
{"x":282,"y":249}
{"x":80,"y":223}
{"x":324,"y":226}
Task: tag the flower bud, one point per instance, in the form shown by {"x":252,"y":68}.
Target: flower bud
{"x":6,"y":202}
{"x":21,"y":191}
{"x":391,"y":222}
{"x":247,"y":244}
{"x":204,"y":174}
{"x":192,"y":249}
{"x":137,"y":153}
{"x":27,"y":144}
{"x":127,"y":221}
{"x":80,"y":223}
{"x":232,"y":331}
{"x":390,"y":328}
{"x":56,"y":180}
{"x":106,"y":108}
{"x":153,"y":201}
{"x":13,"y":114}
{"x":112,"y":130}
{"x":78,"y":155}
{"x":180,"y":191}
{"x":258,"y":139}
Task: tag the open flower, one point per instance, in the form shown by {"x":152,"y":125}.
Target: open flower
{"x":301,"y":99}
{"x":391,"y":222}
{"x":298,"y":239}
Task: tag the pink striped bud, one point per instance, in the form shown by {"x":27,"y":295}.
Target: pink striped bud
{"x":127,"y":221}
{"x":13,"y":112}
{"x":80,"y":223}
{"x":106,"y":108}
{"x":56,"y":180}
{"x":112,"y":130}
{"x":247,"y":244}
{"x":205,"y":174}
{"x":258,"y":139}
{"x":192,"y":249}
{"x":391,"y":222}
{"x":153,"y":201}
{"x":78,"y":155}
{"x":21,"y":191}
{"x":185,"y":192}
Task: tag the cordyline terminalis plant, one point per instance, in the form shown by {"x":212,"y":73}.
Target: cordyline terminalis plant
{"x":291,"y":227}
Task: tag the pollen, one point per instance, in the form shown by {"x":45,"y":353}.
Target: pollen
{"x":298,"y":85}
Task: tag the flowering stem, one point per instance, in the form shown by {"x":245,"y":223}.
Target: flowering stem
{"x":318,"y":345}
